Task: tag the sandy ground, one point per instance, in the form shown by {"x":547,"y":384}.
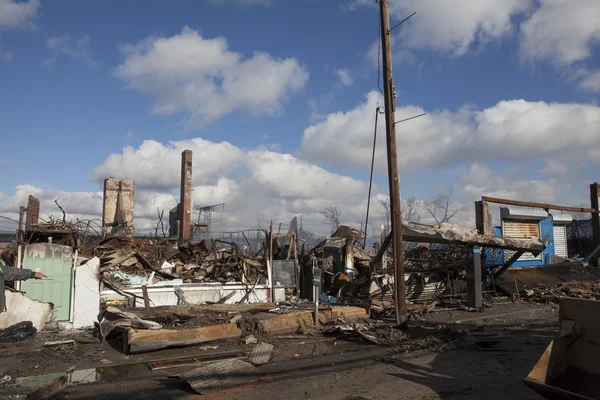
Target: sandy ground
{"x":313,"y":367}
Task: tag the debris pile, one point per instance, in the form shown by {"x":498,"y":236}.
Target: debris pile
{"x":162,"y":262}
{"x":551,"y":294}
{"x":414,"y":338}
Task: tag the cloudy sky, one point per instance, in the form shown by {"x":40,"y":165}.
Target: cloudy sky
{"x":277,"y":100}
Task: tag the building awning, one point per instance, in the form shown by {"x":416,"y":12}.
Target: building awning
{"x":559,"y":219}
{"x":529,"y":214}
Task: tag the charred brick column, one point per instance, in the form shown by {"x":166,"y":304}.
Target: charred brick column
{"x":118,"y":207}
{"x":33,"y":212}
{"x":186,"y":196}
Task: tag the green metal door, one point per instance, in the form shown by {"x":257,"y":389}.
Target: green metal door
{"x":55,"y":261}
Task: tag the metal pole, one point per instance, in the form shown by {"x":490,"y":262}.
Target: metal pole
{"x":270,"y":265}
{"x":316,"y":295}
{"x":378,"y":111}
{"x":392,"y":159}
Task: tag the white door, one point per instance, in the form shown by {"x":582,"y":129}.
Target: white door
{"x":560,"y":241}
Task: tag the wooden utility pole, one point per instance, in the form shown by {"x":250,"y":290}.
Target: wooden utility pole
{"x":392,"y":159}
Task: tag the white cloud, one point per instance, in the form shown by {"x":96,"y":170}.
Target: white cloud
{"x":203,"y":78}
{"x":345,"y":76}
{"x":285,"y":176}
{"x":453,"y":26}
{"x":18,"y":14}
{"x":67,"y":46}
{"x":256,"y":184}
{"x":555,"y":168}
{"x":508,"y":184}
{"x":510,"y":130}
{"x":561,"y":31}
{"x":590,"y":81}
{"x":157,"y":166}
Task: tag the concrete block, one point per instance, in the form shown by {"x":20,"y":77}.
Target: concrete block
{"x":21,"y":308}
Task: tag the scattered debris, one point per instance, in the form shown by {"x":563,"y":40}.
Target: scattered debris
{"x":235,"y":318}
{"x":5,"y":379}
{"x":250,"y":339}
{"x":261,"y":354}
{"x":59,"y":343}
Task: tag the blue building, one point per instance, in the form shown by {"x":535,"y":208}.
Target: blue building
{"x":550,"y":228}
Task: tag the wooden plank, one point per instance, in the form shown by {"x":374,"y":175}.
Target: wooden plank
{"x":536,"y":205}
{"x":144,"y":341}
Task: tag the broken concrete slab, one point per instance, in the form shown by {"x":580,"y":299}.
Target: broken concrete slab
{"x":143,"y":341}
{"x":220,"y":375}
{"x":261,"y":354}
{"x":21,"y":308}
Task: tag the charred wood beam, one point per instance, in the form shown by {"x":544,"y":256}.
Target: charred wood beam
{"x":436,"y":236}
{"x":536,"y":205}
{"x":507,"y":265}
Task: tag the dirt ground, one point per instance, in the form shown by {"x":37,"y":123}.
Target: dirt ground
{"x":490,"y":361}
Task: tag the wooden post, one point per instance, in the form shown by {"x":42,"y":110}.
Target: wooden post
{"x":482,"y":218}
{"x":20,"y":227}
{"x":392,"y":159}
{"x":185,"y":198}
{"x":595,"y":205}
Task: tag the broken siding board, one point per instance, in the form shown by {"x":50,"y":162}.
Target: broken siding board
{"x":261,"y":354}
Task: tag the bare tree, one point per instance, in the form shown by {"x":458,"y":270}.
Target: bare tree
{"x":331,"y":215}
{"x":410,"y":209}
{"x":440,"y":207}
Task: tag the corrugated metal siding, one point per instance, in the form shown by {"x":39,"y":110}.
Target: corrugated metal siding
{"x":560,"y":240}
{"x":522,"y":229}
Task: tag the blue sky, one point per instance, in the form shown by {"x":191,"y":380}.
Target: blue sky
{"x":292,"y":88}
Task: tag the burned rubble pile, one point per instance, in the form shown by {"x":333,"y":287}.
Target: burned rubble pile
{"x":552,"y":294}
{"x":150,"y":262}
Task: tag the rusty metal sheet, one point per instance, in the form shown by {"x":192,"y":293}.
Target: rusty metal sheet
{"x":220,"y":375}
{"x":521,"y":229}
